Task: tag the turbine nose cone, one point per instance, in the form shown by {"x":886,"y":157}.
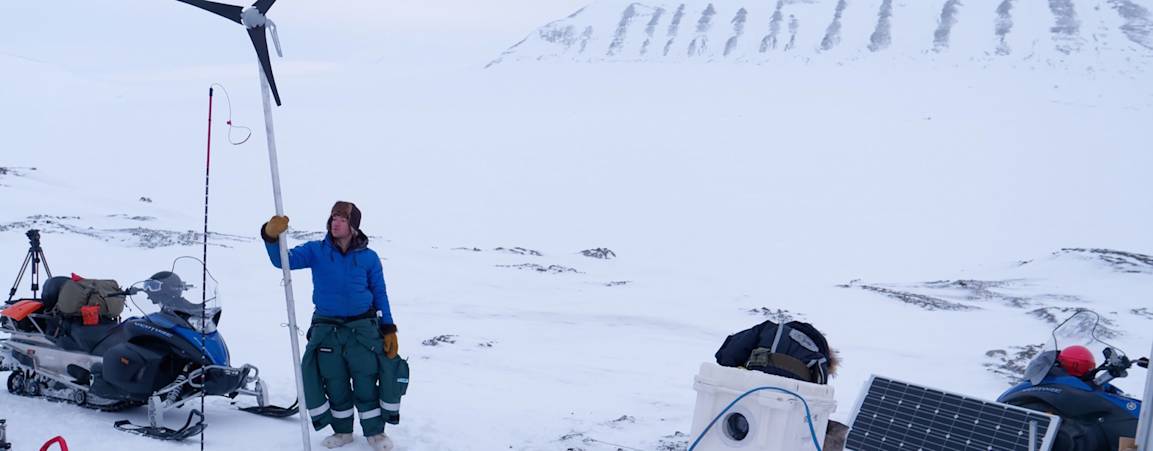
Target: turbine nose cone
{"x":251,"y":17}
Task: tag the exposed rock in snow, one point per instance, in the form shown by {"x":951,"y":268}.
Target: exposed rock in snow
{"x":602,"y":253}
{"x":1010,"y":364}
{"x":551,"y":269}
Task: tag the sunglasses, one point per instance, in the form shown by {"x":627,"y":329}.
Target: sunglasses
{"x":153,"y":286}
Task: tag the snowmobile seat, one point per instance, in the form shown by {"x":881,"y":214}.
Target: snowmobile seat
{"x":76,"y":336}
{"x":51,"y":291}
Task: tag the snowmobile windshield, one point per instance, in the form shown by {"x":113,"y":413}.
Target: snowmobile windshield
{"x":187,"y":289}
{"x":1081,"y":328}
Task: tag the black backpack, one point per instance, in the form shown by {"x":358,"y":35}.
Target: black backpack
{"x":795,"y":350}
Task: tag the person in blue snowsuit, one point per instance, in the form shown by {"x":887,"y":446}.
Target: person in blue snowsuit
{"x":352,"y":337}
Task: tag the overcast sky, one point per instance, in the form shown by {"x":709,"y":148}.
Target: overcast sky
{"x":437,"y":15}
{"x":101,"y":36}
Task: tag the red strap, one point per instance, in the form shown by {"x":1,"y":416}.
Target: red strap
{"x":58,"y":440}
{"x":76,"y":278}
{"x":91,"y":314}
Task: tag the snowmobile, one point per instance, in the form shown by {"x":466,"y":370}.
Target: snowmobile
{"x":1067,"y":382}
{"x":162,"y":359}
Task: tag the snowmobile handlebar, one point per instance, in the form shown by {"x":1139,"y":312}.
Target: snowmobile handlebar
{"x":129,"y":292}
{"x":1116,"y":365}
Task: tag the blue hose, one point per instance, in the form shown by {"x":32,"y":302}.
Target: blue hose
{"x":808,"y":415}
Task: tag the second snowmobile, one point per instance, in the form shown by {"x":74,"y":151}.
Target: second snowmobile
{"x":1095,"y":414}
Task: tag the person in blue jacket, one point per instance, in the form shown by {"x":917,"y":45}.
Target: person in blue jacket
{"x":352,"y":328}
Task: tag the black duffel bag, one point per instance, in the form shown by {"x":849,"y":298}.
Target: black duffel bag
{"x":795,"y":350}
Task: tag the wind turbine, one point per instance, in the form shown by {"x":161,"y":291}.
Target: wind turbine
{"x":256,"y":23}
{"x":254,"y":20}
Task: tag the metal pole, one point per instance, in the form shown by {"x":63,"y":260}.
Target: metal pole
{"x":293,"y":330}
{"x":1145,"y":424}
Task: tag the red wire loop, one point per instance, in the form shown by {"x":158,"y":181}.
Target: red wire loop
{"x":57,"y":440}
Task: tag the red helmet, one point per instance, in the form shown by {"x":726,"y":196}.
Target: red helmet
{"x":1076,"y":360}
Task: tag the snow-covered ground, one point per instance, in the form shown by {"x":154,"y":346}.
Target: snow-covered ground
{"x":834,"y":190}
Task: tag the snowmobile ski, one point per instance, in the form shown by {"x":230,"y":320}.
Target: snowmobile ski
{"x":163,"y":433}
{"x":273,"y":411}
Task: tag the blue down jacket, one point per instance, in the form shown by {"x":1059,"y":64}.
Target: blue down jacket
{"x":343,"y":284}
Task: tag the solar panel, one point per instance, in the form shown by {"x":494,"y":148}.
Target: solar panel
{"x":894,"y":415}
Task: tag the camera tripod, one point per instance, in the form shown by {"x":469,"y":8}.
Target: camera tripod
{"x":36,"y":258}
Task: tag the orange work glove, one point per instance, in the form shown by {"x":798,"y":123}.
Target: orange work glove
{"x":391,"y":345}
{"x":274,"y":227}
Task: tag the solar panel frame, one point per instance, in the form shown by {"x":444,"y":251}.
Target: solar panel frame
{"x":967,"y":414}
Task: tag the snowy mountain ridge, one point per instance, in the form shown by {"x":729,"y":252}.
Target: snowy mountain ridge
{"x":1080,"y":33}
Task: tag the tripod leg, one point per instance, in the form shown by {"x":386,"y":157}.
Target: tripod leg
{"x":44,"y":261}
{"x":24,"y":267}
